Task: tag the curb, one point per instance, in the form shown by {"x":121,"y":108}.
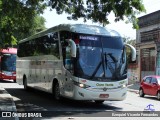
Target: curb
{"x":135,"y":91}
{"x":7,"y":103}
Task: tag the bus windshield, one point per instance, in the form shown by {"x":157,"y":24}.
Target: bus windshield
{"x":8,"y":62}
{"x":101,"y":58}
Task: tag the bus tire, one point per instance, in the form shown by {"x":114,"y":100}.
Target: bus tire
{"x":25,"y":84}
{"x":99,"y":101}
{"x":56,"y":91}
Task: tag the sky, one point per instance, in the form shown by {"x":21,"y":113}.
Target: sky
{"x":126,"y":30}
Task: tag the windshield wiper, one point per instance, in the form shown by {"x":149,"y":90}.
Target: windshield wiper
{"x":102,"y":62}
{"x":108,"y":64}
{"x":95,"y":71}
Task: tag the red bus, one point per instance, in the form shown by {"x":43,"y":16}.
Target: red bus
{"x":8,"y":64}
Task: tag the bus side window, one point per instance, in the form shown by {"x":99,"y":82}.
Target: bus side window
{"x":53,"y":44}
{"x":21,"y":50}
{"x":64,"y":45}
{"x":68,"y":62}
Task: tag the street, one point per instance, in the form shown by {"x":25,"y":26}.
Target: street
{"x":40,"y":101}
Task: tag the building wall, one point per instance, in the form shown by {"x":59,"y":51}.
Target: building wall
{"x":148,"y":37}
{"x":144,"y":29}
{"x":139,"y":48}
{"x":132,"y":75}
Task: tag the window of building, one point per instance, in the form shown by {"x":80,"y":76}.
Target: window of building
{"x":148,"y":59}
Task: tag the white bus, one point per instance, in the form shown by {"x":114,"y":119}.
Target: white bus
{"x":76,"y":61}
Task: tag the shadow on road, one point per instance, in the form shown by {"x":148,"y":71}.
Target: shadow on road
{"x":6,"y":81}
{"x":150,"y":97}
{"x":38,"y":101}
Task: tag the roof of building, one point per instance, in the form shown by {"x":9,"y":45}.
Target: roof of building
{"x":150,"y":14}
{"x":149,"y":19}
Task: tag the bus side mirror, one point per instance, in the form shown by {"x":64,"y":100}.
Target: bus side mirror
{"x":73,"y":47}
{"x":133,"y":53}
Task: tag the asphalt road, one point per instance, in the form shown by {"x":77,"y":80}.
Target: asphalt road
{"x":37,"y":101}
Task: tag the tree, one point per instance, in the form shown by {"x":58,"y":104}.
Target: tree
{"x":12,"y":17}
{"x":98,"y":10}
{"x":38,"y":24}
{"x":16,"y":19}
{"x":128,"y":40}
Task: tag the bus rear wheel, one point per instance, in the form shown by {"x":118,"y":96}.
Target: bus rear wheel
{"x":56,"y":91}
{"x":99,"y":101}
{"x":25,"y":84}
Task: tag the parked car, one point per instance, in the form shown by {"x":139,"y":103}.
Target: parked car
{"x":150,"y":85}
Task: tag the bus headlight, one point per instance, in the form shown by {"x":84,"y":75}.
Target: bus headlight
{"x":124,"y":85}
{"x":81,"y":85}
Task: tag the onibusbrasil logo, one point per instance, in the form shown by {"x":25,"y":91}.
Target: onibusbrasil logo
{"x":149,"y":107}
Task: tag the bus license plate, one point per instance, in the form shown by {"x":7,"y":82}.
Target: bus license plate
{"x":103,"y":95}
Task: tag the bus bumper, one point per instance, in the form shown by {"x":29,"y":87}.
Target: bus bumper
{"x":9,"y":77}
{"x":84,"y":94}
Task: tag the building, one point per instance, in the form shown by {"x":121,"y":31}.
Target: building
{"x":148,"y":45}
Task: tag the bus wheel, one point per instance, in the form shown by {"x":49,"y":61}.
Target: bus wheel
{"x":14,"y":81}
{"x":56,"y":91}
{"x":99,"y":101}
{"x":25,"y":84}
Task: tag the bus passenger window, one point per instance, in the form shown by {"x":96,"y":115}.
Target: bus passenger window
{"x":64,"y":45}
{"x":68,"y":62}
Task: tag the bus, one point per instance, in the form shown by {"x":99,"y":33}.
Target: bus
{"x":8,"y":64}
{"x":76,"y":61}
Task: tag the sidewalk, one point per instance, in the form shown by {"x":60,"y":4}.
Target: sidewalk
{"x":6,"y":104}
{"x":134,"y":87}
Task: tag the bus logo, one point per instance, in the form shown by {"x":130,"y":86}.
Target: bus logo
{"x":104,"y":89}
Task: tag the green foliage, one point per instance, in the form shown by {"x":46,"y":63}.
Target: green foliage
{"x":98,"y":10}
{"x":36,"y":25}
{"x":17,"y":16}
{"x":131,"y":42}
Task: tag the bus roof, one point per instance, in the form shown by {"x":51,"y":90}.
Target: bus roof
{"x":9,"y":50}
{"x":77,"y":28}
